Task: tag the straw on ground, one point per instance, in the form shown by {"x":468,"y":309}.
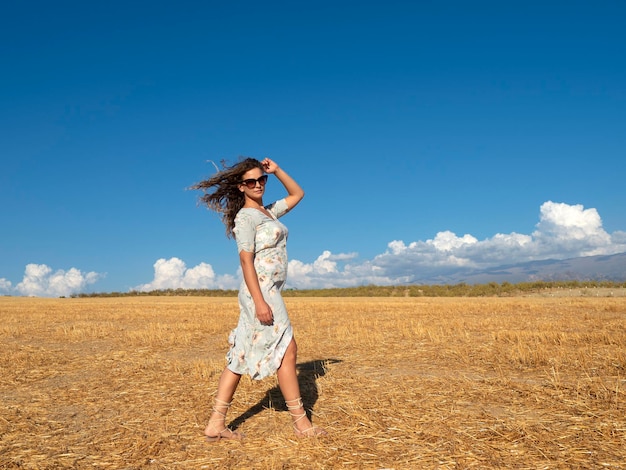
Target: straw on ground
{"x":398,"y":383}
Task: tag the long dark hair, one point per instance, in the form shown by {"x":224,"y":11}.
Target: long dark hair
{"x":221,"y":191}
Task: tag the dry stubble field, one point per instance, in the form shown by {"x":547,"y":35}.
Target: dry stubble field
{"x":398,"y":383}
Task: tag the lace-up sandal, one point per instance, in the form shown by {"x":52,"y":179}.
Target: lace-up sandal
{"x":296,"y":404}
{"x":226,"y":432}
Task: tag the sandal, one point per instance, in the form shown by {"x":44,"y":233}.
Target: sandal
{"x":313,"y":431}
{"x":220,"y":434}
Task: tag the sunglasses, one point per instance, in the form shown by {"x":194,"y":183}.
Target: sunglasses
{"x":251,"y":183}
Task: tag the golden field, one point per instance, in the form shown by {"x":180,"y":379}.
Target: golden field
{"x":398,"y":383}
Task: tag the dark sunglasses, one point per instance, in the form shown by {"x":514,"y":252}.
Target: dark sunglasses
{"x":251,"y":183}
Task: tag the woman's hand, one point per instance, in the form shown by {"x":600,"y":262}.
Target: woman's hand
{"x":261,"y":308}
{"x":264,"y":313}
{"x":295,"y":192}
{"x":269,"y":166}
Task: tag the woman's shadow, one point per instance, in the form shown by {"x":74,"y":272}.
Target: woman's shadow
{"x":308,"y":372}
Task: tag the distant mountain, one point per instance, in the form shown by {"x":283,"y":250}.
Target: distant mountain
{"x":588,"y":268}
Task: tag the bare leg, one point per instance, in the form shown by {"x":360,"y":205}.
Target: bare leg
{"x":216,"y":429}
{"x":288,"y":383}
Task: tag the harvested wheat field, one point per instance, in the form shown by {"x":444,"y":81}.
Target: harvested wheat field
{"x":398,"y":383}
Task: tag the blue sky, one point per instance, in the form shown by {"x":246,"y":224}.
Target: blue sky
{"x":427,"y":136}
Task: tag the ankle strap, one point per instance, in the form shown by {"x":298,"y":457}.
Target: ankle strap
{"x":298,"y":404}
{"x":221,"y":404}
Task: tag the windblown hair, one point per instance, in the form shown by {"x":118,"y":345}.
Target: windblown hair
{"x":221,"y":191}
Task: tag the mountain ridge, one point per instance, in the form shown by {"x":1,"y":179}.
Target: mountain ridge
{"x":585,"y":268}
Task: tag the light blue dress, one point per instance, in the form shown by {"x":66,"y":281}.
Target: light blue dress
{"x":258,"y":349}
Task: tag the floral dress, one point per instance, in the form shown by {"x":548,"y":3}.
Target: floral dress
{"x":258,"y":349}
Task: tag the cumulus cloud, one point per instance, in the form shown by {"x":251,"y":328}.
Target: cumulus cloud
{"x":173,"y":274}
{"x":333,"y":270}
{"x":41,"y":281}
{"x":5,"y":286}
{"x":618,"y":238}
{"x":563,"y":231}
{"x":571,"y":230}
{"x":328,"y":270}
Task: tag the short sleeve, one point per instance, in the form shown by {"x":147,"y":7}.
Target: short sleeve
{"x":245,"y":232}
{"x":278,"y":208}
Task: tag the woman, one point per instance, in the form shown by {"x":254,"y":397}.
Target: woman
{"x":262,"y":343}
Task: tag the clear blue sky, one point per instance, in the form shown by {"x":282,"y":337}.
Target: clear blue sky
{"x":426,"y":135}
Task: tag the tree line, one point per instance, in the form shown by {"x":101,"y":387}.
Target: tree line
{"x":492,"y":289}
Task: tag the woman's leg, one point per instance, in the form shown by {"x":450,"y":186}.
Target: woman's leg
{"x":288,"y":383}
{"x":216,"y":429}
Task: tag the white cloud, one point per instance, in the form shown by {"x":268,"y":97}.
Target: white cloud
{"x":618,"y":238}
{"x":173,"y":274}
{"x":563,"y":231}
{"x":325,"y":271}
{"x":41,"y":281}
{"x":5,"y":286}
{"x":448,"y":241}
